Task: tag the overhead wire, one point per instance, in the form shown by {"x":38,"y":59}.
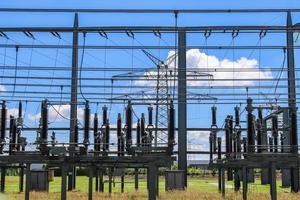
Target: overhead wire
{"x":280,"y":73}
{"x":16,"y":71}
{"x":80,"y":67}
{"x":30,"y":62}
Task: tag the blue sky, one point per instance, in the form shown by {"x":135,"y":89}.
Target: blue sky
{"x":197,"y":114}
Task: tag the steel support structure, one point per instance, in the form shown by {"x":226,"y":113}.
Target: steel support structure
{"x":73,"y":110}
{"x":292,"y":101}
{"x":182,"y":111}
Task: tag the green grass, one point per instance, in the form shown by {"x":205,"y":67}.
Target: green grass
{"x":198,"y":188}
{"x":194,"y":183}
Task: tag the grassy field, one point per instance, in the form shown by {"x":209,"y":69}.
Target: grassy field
{"x":198,"y":188}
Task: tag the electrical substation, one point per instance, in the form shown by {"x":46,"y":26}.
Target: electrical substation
{"x":135,"y":113}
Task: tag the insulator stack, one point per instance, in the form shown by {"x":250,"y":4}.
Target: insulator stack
{"x":219,"y":147}
{"x":271,"y":144}
{"x":245,"y":142}
{"x":128,"y":126}
{"x":150,"y":116}
{"x":259,"y":128}
{"x":138,"y":133}
{"x":143,"y":133}
{"x":107,"y":136}
{"x":171,"y":126}
{"x":227,"y":136}
{"x":237,"y":134}
{"x":120,"y":135}
{"x":19,"y":125}
{"x":12,"y":134}
{"x":210,"y":148}
{"x":104,"y":115}
{"x":86,"y":132}
{"x":95,"y":131}
{"x":20,"y":109}
{"x":237,"y":115}
{"x":230,"y":127}
{"x":44,"y":128}
{"x":214,"y":116}
{"x":76,"y":133}
{"x":53,"y":138}
{"x":250,"y":126}
{"x":213,"y":133}
{"x":3,"y":126}
{"x":275,"y":132}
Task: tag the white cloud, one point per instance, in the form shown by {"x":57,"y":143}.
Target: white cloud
{"x":12,"y":111}
{"x":199,"y":60}
{"x":53,"y":115}
{"x":2,"y":88}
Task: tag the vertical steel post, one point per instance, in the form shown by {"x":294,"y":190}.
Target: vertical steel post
{"x":292,"y":101}
{"x":122,"y":183}
{"x":73,"y":109}
{"x":27,"y":187}
{"x":3,"y":174}
{"x":63,"y":182}
{"x":152,"y":176}
{"x":110,"y":181}
{"x":90,"y":193}
{"x":273,"y":191}
{"x":223,"y":182}
{"x":136,"y":178}
{"x":182,"y":110}
{"x":245,"y":182}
